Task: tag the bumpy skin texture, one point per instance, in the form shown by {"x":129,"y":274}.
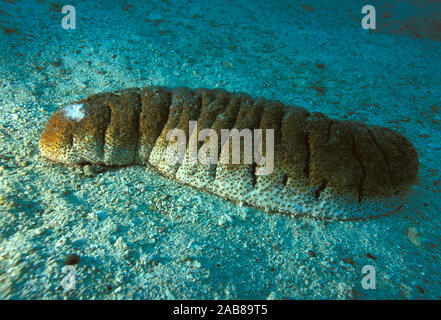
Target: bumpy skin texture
{"x":322,"y":167}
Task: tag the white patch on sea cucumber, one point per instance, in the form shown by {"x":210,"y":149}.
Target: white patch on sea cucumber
{"x":74,"y":111}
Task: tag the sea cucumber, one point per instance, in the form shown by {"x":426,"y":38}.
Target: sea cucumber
{"x":325,"y":168}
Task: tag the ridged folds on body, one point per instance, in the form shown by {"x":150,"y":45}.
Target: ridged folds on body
{"x":322,"y":167}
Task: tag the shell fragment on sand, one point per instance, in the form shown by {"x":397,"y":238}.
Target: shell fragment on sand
{"x":322,"y":167}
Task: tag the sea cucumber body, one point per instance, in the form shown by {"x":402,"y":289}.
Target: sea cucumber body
{"x":322,"y":167}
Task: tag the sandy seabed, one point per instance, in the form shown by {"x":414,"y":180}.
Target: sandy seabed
{"x":142,"y":236}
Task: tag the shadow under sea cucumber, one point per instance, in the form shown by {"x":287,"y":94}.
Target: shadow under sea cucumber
{"x":323,"y":167}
